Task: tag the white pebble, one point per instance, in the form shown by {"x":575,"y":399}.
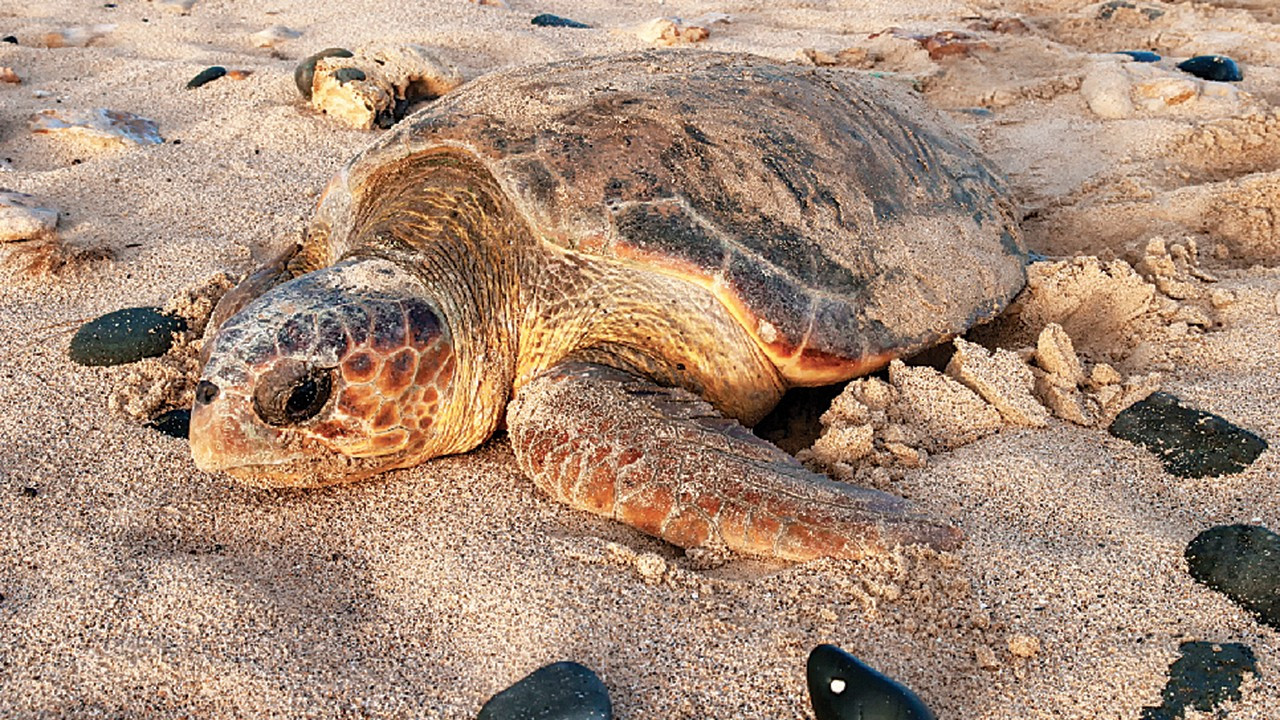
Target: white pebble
{"x":273,"y":35}
{"x":99,"y":127}
{"x":182,"y":7}
{"x":1106,"y":89}
{"x":22,"y":217}
{"x":76,"y":36}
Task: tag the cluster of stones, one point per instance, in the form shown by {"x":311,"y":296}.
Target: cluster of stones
{"x":161,"y":346}
{"x":1243,"y":563}
{"x":841,"y":687}
{"x":1120,"y":85}
{"x":373,"y":87}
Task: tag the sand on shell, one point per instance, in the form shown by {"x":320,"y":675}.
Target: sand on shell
{"x":133,"y":585}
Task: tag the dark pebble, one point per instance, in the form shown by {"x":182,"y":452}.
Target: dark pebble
{"x":1191,"y":443}
{"x":348,"y":74}
{"x":10,"y":39}
{"x":30,"y":492}
{"x":1108,"y":9}
{"x":560,"y":691}
{"x":125,"y":336}
{"x":1241,"y":562}
{"x":549,"y":20}
{"x":1213,"y":67}
{"x":1144,"y":56}
{"x":1202,"y":678}
{"x":842,"y":687}
{"x":175,"y":423}
{"x":306,"y":70}
{"x":207,"y":75}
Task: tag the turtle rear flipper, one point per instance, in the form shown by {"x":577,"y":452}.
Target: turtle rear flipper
{"x":665,"y":462}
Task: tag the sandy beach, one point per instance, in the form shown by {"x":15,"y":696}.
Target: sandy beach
{"x":133,"y":585}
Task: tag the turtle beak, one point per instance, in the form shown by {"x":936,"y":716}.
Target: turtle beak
{"x":225,"y":437}
{"x":219,"y":440}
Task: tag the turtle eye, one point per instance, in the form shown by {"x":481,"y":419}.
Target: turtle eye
{"x":206,"y":392}
{"x":292,"y":393}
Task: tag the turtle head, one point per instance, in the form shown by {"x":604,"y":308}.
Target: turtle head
{"x":332,"y":376}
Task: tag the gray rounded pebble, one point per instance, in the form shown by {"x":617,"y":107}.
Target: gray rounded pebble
{"x":349,"y":74}
{"x":1212,"y":67}
{"x":1241,"y":562}
{"x":1204,"y":677}
{"x":1142,"y":56}
{"x":549,"y":20}
{"x":174,"y":423}
{"x":305,"y":73}
{"x":125,"y":336}
{"x":1190,"y":443}
{"x":560,"y":691}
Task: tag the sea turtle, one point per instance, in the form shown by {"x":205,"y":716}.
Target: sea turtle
{"x":625,"y":261}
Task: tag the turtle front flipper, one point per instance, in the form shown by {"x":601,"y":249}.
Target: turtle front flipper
{"x":665,"y":462}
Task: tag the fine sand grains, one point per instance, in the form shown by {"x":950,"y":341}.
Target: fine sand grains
{"x":132,"y":585}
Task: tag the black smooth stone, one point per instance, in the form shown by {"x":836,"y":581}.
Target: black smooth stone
{"x":549,"y":20}
{"x":206,"y":76}
{"x":1241,"y":562}
{"x":174,"y":423}
{"x":349,"y":74}
{"x":560,"y":691}
{"x":1202,"y":678}
{"x":125,"y":336}
{"x":1142,"y":56}
{"x":1191,"y":443}
{"x":1213,"y":67}
{"x":305,"y":73}
{"x":9,"y":39}
{"x":842,"y":687}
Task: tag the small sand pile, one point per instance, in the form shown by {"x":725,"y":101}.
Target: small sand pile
{"x":877,"y":424}
{"x":157,"y":384}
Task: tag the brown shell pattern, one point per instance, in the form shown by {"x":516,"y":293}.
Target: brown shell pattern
{"x":836,"y":216}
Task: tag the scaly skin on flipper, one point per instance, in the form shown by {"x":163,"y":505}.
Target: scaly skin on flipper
{"x":606,"y":240}
{"x":664,"y":461}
